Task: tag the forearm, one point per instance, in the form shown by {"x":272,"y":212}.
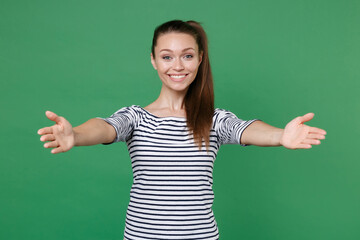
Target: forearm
{"x":261,"y":134}
{"x":94,"y":131}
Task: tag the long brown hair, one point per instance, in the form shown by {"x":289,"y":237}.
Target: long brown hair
{"x":199,"y":99}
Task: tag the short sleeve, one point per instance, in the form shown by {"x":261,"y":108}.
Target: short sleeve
{"x":229,"y":127}
{"x":124,"y":121}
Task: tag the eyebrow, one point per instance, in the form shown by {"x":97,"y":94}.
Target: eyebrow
{"x":185,"y":49}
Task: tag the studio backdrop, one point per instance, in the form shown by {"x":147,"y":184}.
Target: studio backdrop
{"x":272,"y":60}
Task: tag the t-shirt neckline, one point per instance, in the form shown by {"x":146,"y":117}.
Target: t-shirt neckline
{"x":167,"y":117}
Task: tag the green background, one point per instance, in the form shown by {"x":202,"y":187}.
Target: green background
{"x":272,"y":60}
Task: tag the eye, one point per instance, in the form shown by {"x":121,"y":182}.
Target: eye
{"x":166,"y":57}
{"x":189,"y":56}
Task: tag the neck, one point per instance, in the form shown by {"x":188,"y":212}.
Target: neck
{"x":172,"y":100}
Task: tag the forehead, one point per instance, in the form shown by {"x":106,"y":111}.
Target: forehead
{"x":175,"y":41}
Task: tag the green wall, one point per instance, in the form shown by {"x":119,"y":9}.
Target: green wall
{"x":272,"y":60}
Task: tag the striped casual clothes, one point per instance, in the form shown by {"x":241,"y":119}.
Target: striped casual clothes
{"x":171,"y":196}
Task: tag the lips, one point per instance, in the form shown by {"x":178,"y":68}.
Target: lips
{"x":177,"y":77}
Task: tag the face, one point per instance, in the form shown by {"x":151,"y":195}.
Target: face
{"x":177,"y":60}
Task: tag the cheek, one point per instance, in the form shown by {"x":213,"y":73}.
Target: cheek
{"x":163,"y":67}
{"x":193,"y":67}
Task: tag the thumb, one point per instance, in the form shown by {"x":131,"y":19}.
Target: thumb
{"x":52,"y":116}
{"x":307,"y":117}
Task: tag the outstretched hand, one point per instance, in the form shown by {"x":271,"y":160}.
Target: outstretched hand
{"x":60,"y":136}
{"x":298,"y":135}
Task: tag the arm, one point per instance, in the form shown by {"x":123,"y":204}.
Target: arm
{"x":94,"y":131}
{"x":295,"y":135}
{"x":261,"y":134}
{"x":62,"y":136}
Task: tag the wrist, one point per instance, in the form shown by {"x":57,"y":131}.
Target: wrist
{"x":279,"y":136}
{"x":76,"y":137}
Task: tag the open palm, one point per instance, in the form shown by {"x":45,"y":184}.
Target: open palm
{"x":298,"y":135}
{"x":60,"y":136}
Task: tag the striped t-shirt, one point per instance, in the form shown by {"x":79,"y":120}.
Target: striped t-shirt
{"x":171,"y":196}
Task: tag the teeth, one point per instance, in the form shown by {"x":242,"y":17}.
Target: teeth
{"x":177,"y":76}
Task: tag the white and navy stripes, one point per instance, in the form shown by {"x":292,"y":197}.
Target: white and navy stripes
{"x":171,"y":196}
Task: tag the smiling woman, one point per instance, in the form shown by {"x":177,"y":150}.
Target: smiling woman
{"x":177,"y":58}
{"x":183,"y":47}
{"x":173,"y":142}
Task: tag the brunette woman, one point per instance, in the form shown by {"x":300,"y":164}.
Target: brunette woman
{"x":173,"y":141}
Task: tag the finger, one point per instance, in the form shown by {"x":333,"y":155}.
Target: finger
{"x":304,"y":146}
{"x":45,"y":130}
{"x":317,"y":130}
{"x":316,"y":136}
{"x":47,"y":137}
{"x":52,"y":116}
{"x":307,"y":117}
{"x":56,"y":150}
{"x":311,"y":141}
{"x":52,"y":144}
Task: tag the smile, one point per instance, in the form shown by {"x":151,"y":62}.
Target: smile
{"x":177,"y":77}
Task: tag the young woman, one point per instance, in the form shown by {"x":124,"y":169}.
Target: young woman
{"x":173,"y":142}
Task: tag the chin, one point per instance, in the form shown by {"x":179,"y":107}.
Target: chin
{"x":176,"y":86}
{"x":180,"y":88}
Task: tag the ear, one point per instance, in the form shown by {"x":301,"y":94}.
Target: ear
{"x":200,"y":57}
{"x":153,"y":61}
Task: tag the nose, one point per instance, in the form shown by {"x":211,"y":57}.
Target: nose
{"x":178,"y":65}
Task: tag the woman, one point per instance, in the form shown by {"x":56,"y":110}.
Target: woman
{"x":173,"y":142}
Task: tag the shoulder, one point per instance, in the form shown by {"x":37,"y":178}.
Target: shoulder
{"x":131,"y":113}
{"x":130,"y":109}
{"x":223,"y":116}
{"x":220,"y":113}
